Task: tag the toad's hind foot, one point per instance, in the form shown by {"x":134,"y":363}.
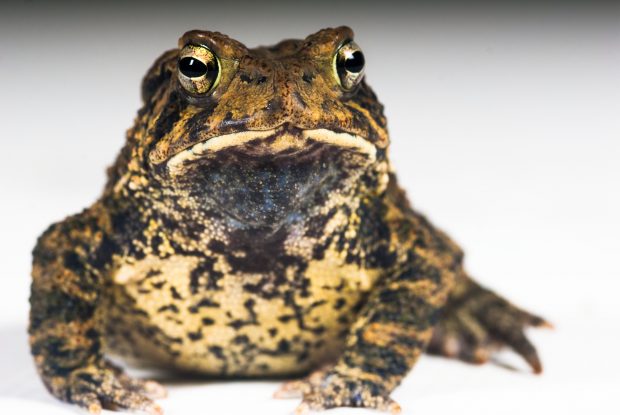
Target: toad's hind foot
{"x":297,"y":388}
{"x":106,"y":386}
{"x":326,"y":389}
{"x":476,"y":322}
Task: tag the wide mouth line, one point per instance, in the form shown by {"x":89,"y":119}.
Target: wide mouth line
{"x":279,"y":140}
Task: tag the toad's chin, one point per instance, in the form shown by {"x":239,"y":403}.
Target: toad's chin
{"x":266,"y":178}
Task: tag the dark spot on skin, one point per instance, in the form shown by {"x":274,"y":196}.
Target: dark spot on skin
{"x":283,"y":346}
{"x":341,"y":302}
{"x":204,"y":303}
{"x":156,"y":241}
{"x":218,"y":352}
{"x":72,"y":261}
{"x":152,"y":273}
{"x":237,"y":324}
{"x":195,"y":336}
{"x":169,"y":307}
{"x":87,"y":377}
{"x":175,"y":294}
{"x":273,"y":331}
{"x":241,"y":339}
{"x":274,"y":105}
{"x":319,"y":330}
{"x":92,"y":334}
{"x":208,"y":321}
{"x":218,"y":247}
{"x":307,"y":77}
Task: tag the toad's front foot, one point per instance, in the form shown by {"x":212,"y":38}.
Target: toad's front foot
{"x":329,"y":389}
{"x":476,"y":321}
{"x":104,"y":385}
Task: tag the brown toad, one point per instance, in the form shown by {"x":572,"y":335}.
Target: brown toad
{"x":252,"y":226}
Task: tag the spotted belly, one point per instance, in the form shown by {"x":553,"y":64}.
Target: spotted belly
{"x":172,"y":313}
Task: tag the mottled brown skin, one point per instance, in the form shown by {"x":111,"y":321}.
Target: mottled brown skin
{"x":283,"y":245}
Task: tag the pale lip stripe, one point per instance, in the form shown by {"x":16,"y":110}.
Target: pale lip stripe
{"x":215,"y":144}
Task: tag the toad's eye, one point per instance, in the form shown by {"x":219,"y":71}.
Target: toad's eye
{"x":199,"y":69}
{"x":349,"y":65}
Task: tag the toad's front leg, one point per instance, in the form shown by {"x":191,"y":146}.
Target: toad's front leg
{"x":390,"y":334}
{"x":64,"y":334}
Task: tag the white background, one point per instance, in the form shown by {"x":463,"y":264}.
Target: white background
{"x":505,"y":130}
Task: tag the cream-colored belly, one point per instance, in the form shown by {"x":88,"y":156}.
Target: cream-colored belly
{"x":276,"y":327}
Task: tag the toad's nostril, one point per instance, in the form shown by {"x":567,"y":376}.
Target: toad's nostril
{"x":307,"y":77}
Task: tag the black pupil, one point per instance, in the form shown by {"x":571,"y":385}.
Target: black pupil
{"x":192,"y":67}
{"x":355,"y":63}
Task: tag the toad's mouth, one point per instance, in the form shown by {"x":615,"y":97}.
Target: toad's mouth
{"x":265,"y":178}
{"x":275,"y":142}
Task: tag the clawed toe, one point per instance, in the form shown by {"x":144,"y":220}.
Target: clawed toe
{"x":290,"y":390}
{"x":105,"y":386}
{"x":311,"y":403}
{"x":148,"y":388}
{"x":116,"y":399}
{"x":473,"y":329}
{"x":297,"y":388}
{"x":328,"y":389}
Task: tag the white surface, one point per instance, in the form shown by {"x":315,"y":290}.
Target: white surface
{"x":505,"y":130}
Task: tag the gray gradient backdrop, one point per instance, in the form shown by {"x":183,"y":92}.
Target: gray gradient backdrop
{"x":505,"y":130}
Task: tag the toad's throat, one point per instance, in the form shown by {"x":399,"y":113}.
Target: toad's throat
{"x":267,"y":178}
